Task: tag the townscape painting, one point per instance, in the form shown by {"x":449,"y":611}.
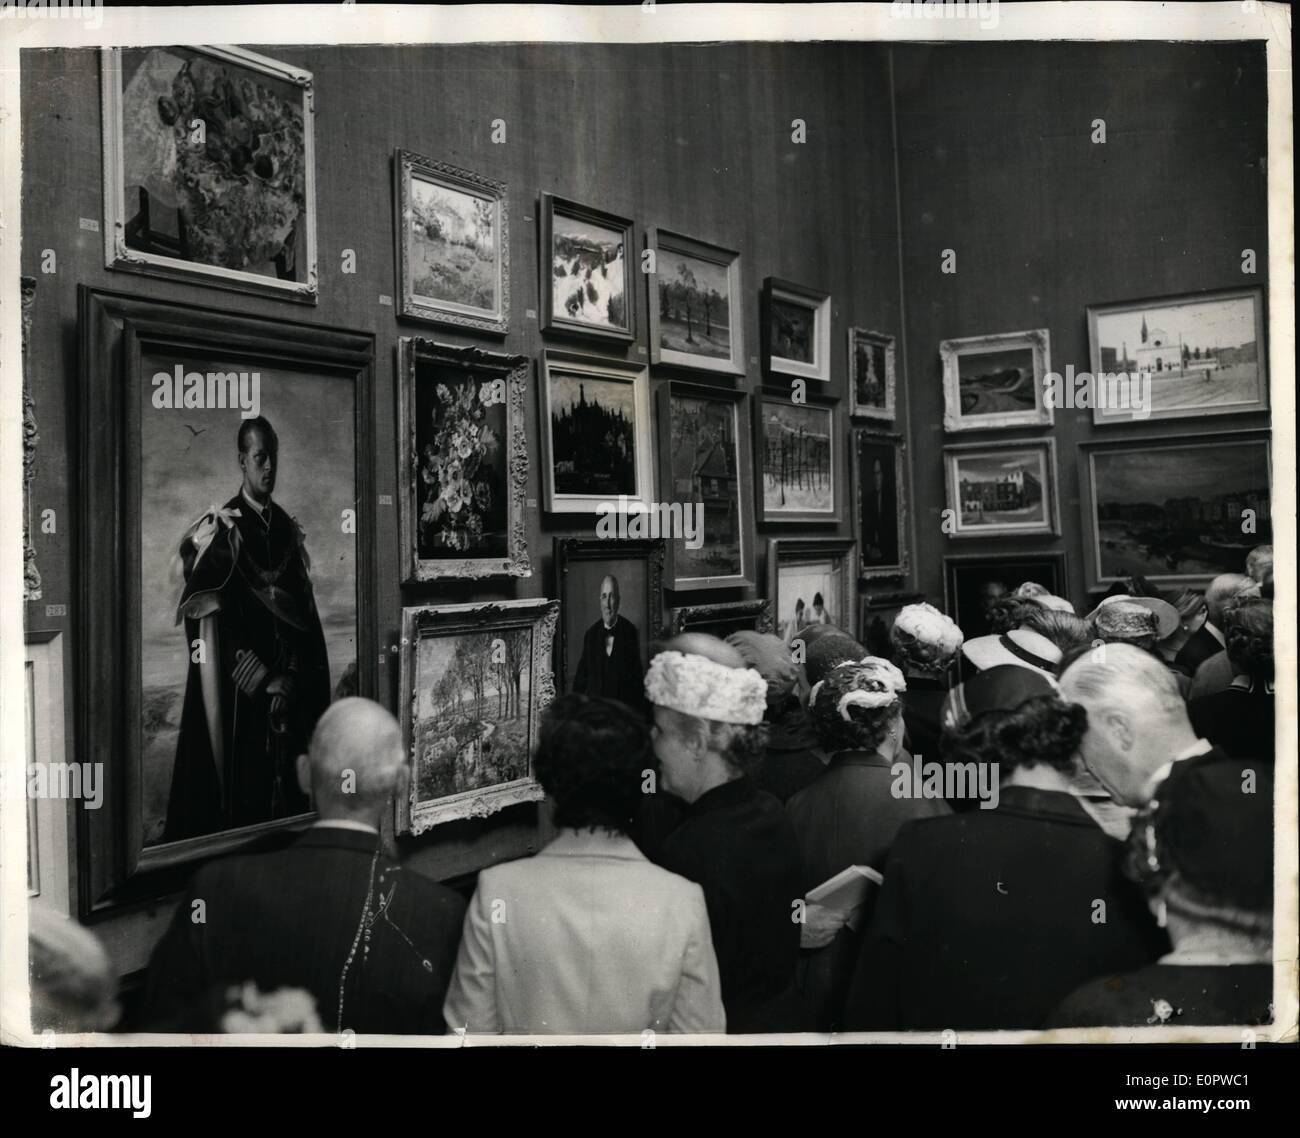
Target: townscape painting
{"x":1002,"y":490}
{"x":238,"y":210}
{"x":595,"y":434}
{"x":465,"y":469}
{"x":475,"y":680}
{"x":702,"y":473}
{"x":1178,"y":511}
{"x":996,"y":381}
{"x":587,"y":281}
{"x":453,"y":245}
{"x":797,"y":458}
{"x":1198,"y":355}
{"x":694,"y":305}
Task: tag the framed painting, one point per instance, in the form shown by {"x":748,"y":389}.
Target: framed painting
{"x":876,"y":614}
{"x":212,"y":441}
{"x":872,"y":379}
{"x":1192,"y":356}
{"x":723,"y":618}
{"x":596,"y":435}
{"x":611,"y":609}
{"x":475,"y":679}
{"x":463,"y":458}
{"x":209,"y":168}
{"x":972,"y":582}
{"x":796,"y":458}
{"x":1000,"y":490}
{"x":1176,"y":511}
{"x":588,"y":287}
{"x":796,"y":331}
{"x":696,"y":314}
{"x":996,"y":382}
{"x":880,"y":503}
{"x":50,"y":879}
{"x":453,"y":245}
{"x":706,"y":487}
{"x":811,"y":582}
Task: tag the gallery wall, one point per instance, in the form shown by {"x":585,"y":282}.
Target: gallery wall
{"x":692,"y":139}
{"x":997,"y":162}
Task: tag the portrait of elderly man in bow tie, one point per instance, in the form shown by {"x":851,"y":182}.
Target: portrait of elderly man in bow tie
{"x":258,"y":676}
{"x":611,"y":663}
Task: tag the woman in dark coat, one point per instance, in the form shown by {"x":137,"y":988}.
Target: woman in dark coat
{"x":988,"y":918}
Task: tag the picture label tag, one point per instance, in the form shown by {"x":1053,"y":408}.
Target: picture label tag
{"x":56,"y":610}
{"x":385,"y":299}
{"x":753,"y":359}
{"x":532,"y":503}
{"x":89,"y":224}
{"x":531,"y":313}
{"x":640,"y":351}
{"x":385,"y":499}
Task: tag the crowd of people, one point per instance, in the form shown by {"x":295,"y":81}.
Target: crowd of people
{"x":1066,"y":822}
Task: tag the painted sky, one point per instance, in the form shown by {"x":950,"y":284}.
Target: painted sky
{"x":1181,"y":472}
{"x":1215,"y":323}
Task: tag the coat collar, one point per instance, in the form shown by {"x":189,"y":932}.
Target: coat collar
{"x":1030,"y":802}
{"x":722,"y":797}
{"x":336,"y":837}
{"x":862,"y":759}
{"x":592,"y":843}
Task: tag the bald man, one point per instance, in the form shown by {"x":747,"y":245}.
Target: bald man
{"x":611,"y":664}
{"x":1208,"y":640}
{"x":374,"y":944}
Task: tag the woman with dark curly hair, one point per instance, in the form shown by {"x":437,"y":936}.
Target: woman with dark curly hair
{"x":1239,"y":719}
{"x":987,"y":918}
{"x":1203,"y":852}
{"x":588,"y":936}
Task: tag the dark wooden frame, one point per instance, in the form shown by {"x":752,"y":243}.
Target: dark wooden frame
{"x":829,"y":403}
{"x":113,"y":867}
{"x":746,"y":578}
{"x":796,"y":550}
{"x":557,"y":322}
{"x":776,"y":368}
{"x":653,"y":551}
{"x":955,"y":562}
{"x":513,"y":370}
{"x":687,"y":617}
{"x":871,"y":603}
{"x":896,"y":440}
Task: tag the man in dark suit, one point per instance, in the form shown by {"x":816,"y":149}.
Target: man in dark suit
{"x":1208,"y":640}
{"x":879,"y":517}
{"x":611,"y":654}
{"x":373,"y":943}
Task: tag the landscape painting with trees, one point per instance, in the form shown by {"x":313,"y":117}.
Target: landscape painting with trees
{"x":471,"y":718}
{"x":475,"y":679}
{"x":694,"y":307}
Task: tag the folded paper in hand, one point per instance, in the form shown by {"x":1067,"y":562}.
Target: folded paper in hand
{"x":837,"y":902}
